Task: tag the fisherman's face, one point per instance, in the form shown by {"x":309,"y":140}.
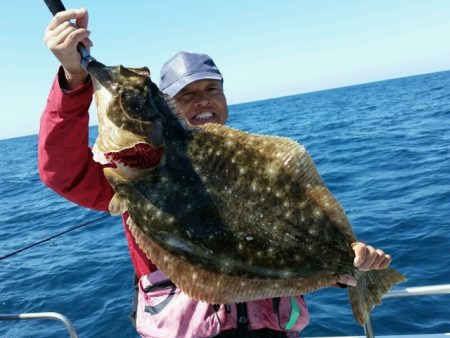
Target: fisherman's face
{"x":203,"y":101}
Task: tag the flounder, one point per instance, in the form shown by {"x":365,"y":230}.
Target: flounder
{"x":227,"y":215}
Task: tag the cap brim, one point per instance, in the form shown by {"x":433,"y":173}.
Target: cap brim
{"x":175,"y":87}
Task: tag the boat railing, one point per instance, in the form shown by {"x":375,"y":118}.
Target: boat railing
{"x":368,"y":327}
{"x":44,"y":315}
{"x":408,"y":292}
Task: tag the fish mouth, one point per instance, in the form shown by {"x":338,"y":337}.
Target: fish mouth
{"x":140,"y":156}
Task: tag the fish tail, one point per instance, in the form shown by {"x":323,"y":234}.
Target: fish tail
{"x":371,"y":287}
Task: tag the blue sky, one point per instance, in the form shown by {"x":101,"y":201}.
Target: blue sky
{"x":264,"y":49}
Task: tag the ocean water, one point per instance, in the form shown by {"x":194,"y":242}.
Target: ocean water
{"x":383,"y":149}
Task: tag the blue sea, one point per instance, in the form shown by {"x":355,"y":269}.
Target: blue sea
{"x":383,"y":149}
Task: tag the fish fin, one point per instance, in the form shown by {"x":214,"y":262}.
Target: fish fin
{"x":117,"y":205}
{"x":178,"y":113}
{"x":197,"y":283}
{"x":131,"y":224}
{"x":279,"y":153}
{"x":372,"y":285}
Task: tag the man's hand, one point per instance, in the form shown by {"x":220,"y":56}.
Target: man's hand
{"x":62,"y":37}
{"x":366,"y":258}
{"x":369,"y":258}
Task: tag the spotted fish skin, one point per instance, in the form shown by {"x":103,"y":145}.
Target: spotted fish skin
{"x":229,"y":216}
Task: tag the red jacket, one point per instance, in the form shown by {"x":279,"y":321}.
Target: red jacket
{"x":65,"y":159}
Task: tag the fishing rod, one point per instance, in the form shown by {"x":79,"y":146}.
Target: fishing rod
{"x":54,"y":236}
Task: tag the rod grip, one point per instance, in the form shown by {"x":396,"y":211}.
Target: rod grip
{"x":55,"y":6}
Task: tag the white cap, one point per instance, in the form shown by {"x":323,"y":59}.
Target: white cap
{"x":185,"y":68}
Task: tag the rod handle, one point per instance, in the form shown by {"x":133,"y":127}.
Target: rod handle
{"x":55,"y":6}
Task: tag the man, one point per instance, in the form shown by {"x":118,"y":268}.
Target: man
{"x":65,"y":159}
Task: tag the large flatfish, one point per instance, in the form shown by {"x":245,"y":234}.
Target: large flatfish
{"x":227,"y":215}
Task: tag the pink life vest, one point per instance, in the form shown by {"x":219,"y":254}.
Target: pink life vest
{"x":165,"y":311}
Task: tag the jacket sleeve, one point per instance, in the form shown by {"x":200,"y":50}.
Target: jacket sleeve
{"x":65,"y":160}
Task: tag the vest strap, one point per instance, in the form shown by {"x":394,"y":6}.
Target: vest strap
{"x":295,"y":313}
